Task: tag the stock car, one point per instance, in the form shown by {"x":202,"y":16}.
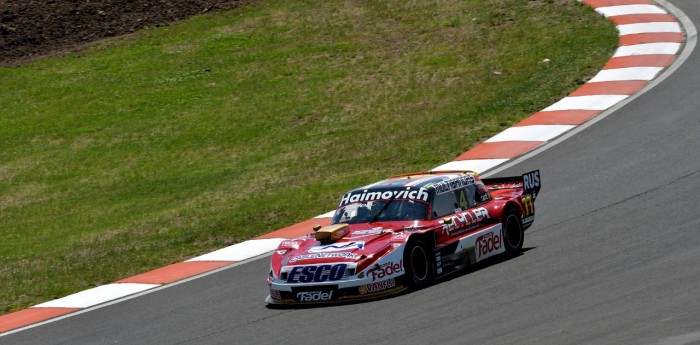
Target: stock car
{"x":402,"y":233}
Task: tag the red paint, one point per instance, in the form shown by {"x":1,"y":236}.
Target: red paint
{"x":297,"y":230}
{"x":175,"y":272}
{"x":504,"y":149}
{"x":642,"y":18}
{"x":559,"y":117}
{"x":625,"y":87}
{"x":639,"y":61}
{"x":652,"y":37}
{"x":29,"y":316}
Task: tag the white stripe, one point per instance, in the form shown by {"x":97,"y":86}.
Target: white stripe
{"x":641,"y":28}
{"x":478,"y":165}
{"x":530,"y":133}
{"x":648,"y":49}
{"x":242,"y":251}
{"x":95,"y":296}
{"x":328,"y":214}
{"x":599,"y":102}
{"x":627,"y":73}
{"x":622,"y":10}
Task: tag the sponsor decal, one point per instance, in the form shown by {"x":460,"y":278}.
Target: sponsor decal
{"x":276,"y":294}
{"x":438,"y":263}
{"x":413,"y":228}
{"x":294,"y":244}
{"x":378,"y":286}
{"x":323,"y":256}
{"x":400,"y":236}
{"x":317,"y":274}
{"x":529,"y":219}
{"x":531,"y":183}
{"x":314,"y":296}
{"x":455,"y":183}
{"x":386,"y":270}
{"x":487,"y":243}
{"x":421,"y":194}
{"x":531,"y":180}
{"x":337,"y":247}
{"x":375,"y":231}
{"x":528,"y":205}
{"x":465,"y":221}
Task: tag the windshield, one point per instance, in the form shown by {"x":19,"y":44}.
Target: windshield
{"x":363,"y":212}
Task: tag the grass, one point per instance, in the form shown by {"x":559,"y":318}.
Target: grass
{"x":159,"y":146}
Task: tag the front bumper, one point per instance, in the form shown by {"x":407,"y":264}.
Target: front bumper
{"x":308,"y":294}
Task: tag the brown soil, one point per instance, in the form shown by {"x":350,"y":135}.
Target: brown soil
{"x":31,"y":29}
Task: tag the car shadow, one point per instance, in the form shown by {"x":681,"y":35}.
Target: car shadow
{"x":480,"y":266}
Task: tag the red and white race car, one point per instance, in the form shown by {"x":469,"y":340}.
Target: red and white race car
{"x":403,"y":232}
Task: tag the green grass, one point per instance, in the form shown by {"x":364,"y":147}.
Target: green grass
{"x":166,"y":144}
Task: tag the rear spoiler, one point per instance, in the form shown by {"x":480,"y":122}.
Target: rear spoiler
{"x":530,"y":182}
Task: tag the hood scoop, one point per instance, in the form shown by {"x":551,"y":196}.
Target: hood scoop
{"x":332,"y":233}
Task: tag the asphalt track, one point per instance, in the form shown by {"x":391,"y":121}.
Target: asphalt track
{"x":613,"y":258}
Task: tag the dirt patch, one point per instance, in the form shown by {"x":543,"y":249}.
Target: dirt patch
{"x":31,"y":29}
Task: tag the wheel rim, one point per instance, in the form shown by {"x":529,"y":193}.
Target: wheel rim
{"x":513,"y":232}
{"x":419,"y":263}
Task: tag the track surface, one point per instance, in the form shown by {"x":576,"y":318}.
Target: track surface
{"x":613,"y":259}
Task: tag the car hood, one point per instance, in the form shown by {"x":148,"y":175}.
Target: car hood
{"x":364,"y":240}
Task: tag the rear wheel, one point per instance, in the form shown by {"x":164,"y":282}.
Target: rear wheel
{"x":418,"y":260}
{"x":513,"y":233}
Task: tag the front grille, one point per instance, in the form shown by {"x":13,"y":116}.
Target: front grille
{"x":347,"y":273}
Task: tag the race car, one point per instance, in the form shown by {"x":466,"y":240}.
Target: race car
{"x":404,"y":232}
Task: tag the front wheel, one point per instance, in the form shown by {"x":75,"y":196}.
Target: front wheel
{"x":419,"y":264}
{"x":513,"y":233}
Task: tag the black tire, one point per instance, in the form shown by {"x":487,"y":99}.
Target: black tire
{"x":419,"y":263}
{"x":513,"y":233}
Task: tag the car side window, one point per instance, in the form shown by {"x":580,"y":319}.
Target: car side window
{"x":481,"y":193}
{"x":445,"y":204}
{"x":470,"y":196}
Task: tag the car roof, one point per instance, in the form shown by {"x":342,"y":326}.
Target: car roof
{"x":425,"y":180}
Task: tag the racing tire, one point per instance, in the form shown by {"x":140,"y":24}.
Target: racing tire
{"x":418,"y":260}
{"x":513,"y":233}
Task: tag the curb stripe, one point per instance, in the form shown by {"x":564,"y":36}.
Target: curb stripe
{"x":30,"y":316}
{"x":619,"y":86}
{"x":622,"y":10}
{"x":471,"y":164}
{"x":297,"y":230}
{"x":539,"y":133}
{"x":597,"y":102}
{"x":241,"y":251}
{"x":326,"y":215}
{"x":627,"y":73}
{"x":651,"y":37}
{"x":642,"y":18}
{"x":502,"y":149}
{"x":648,"y":49}
{"x":175,"y":272}
{"x":607,"y":3}
{"x":651,"y":60}
{"x":95,"y":296}
{"x":641,"y":28}
{"x":559,"y":117}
